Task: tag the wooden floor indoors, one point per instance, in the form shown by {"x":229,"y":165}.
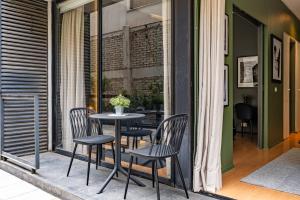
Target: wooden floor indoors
{"x":248,"y":158}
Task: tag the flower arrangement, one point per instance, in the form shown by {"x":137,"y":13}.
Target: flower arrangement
{"x":119,"y":102}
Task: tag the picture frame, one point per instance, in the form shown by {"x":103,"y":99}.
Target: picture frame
{"x":226,"y":39}
{"x":277,"y":58}
{"x":226,"y":86}
{"x":248,"y":71}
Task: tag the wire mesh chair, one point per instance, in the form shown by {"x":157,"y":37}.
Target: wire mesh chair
{"x":167,"y":143}
{"x":86,"y":131}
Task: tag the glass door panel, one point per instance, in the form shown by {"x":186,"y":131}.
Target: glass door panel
{"x":136,"y":62}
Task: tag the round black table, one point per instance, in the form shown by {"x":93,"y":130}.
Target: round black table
{"x":117,"y":119}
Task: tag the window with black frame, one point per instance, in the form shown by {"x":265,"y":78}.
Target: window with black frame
{"x":135,"y":61}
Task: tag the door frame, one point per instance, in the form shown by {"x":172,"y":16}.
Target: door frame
{"x":182,"y":62}
{"x":260,"y":89}
{"x":287,"y":40}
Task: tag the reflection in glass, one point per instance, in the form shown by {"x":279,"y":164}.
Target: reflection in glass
{"x":136,"y":62}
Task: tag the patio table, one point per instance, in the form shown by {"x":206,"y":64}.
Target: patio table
{"x":117,"y":119}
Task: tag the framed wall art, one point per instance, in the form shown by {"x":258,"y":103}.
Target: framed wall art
{"x":226,"y":92}
{"x":226,"y":39}
{"x":248,"y":71}
{"x":277,"y":49}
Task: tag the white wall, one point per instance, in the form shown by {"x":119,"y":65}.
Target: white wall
{"x":114,"y":17}
{"x":117,"y":15}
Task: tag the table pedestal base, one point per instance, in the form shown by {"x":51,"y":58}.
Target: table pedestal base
{"x":115,"y":170}
{"x":118,"y":167}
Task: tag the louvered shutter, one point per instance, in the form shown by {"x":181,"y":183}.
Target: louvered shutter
{"x":24,"y":70}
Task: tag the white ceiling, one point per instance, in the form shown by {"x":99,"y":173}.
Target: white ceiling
{"x":294,"y":6}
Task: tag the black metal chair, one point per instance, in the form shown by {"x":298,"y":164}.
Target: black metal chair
{"x":88,"y":132}
{"x":134,"y":129}
{"x":245,"y":113}
{"x":166,"y":145}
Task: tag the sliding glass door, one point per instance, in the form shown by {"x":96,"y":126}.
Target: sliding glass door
{"x":136,"y":62}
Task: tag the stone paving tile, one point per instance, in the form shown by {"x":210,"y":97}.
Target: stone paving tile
{"x":54,"y":169}
{"x":13,"y":188}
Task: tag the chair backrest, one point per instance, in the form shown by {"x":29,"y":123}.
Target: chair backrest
{"x":81,"y":125}
{"x":132,"y":124}
{"x":244,"y":111}
{"x":169,"y":134}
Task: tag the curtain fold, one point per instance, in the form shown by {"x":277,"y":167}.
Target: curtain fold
{"x":207,"y":174}
{"x":167,"y":55}
{"x":72,"y":87}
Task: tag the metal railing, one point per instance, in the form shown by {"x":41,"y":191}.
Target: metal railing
{"x":34,"y":98}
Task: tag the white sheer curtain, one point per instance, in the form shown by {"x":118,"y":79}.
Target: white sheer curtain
{"x":166,"y":22}
{"x":72,"y":93}
{"x":207,"y":168}
{"x":167,"y":41}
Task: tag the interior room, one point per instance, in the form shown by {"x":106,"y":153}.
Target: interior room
{"x":247,"y":82}
{"x":263,"y":164}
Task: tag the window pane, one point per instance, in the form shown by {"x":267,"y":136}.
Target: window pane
{"x":136,"y":62}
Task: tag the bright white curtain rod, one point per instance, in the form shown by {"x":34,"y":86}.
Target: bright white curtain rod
{"x":72,"y":4}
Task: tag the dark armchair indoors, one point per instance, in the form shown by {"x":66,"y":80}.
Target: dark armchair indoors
{"x":89,"y":133}
{"x":245,"y":113}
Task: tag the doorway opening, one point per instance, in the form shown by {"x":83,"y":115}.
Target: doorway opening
{"x":291,"y":86}
{"x":120,"y":47}
{"x":248,"y":82}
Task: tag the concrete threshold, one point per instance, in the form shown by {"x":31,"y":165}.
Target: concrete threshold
{"x":37,"y":181}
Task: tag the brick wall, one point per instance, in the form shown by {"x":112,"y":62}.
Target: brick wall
{"x":146,"y":51}
{"x":113,"y":51}
{"x":146,"y":48}
{"x":142,"y":85}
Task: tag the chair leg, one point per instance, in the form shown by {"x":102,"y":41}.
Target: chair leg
{"x":136,"y":147}
{"x":100,"y":153}
{"x":71,"y":162}
{"x":97,"y":157}
{"x":89,"y":165}
{"x":251,"y":125}
{"x":156,"y":180}
{"x":153,"y":176}
{"x":133,"y":142}
{"x":136,"y":143}
{"x":127,"y":142}
{"x":181,"y":176}
{"x":242,"y":128}
{"x":150,"y":136}
{"x":128,"y":177}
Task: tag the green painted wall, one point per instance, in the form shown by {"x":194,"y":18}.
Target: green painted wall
{"x":277,"y":19}
{"x":227,"y":139}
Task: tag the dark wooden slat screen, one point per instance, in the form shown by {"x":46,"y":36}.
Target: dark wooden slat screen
{"x":24,"y":70}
